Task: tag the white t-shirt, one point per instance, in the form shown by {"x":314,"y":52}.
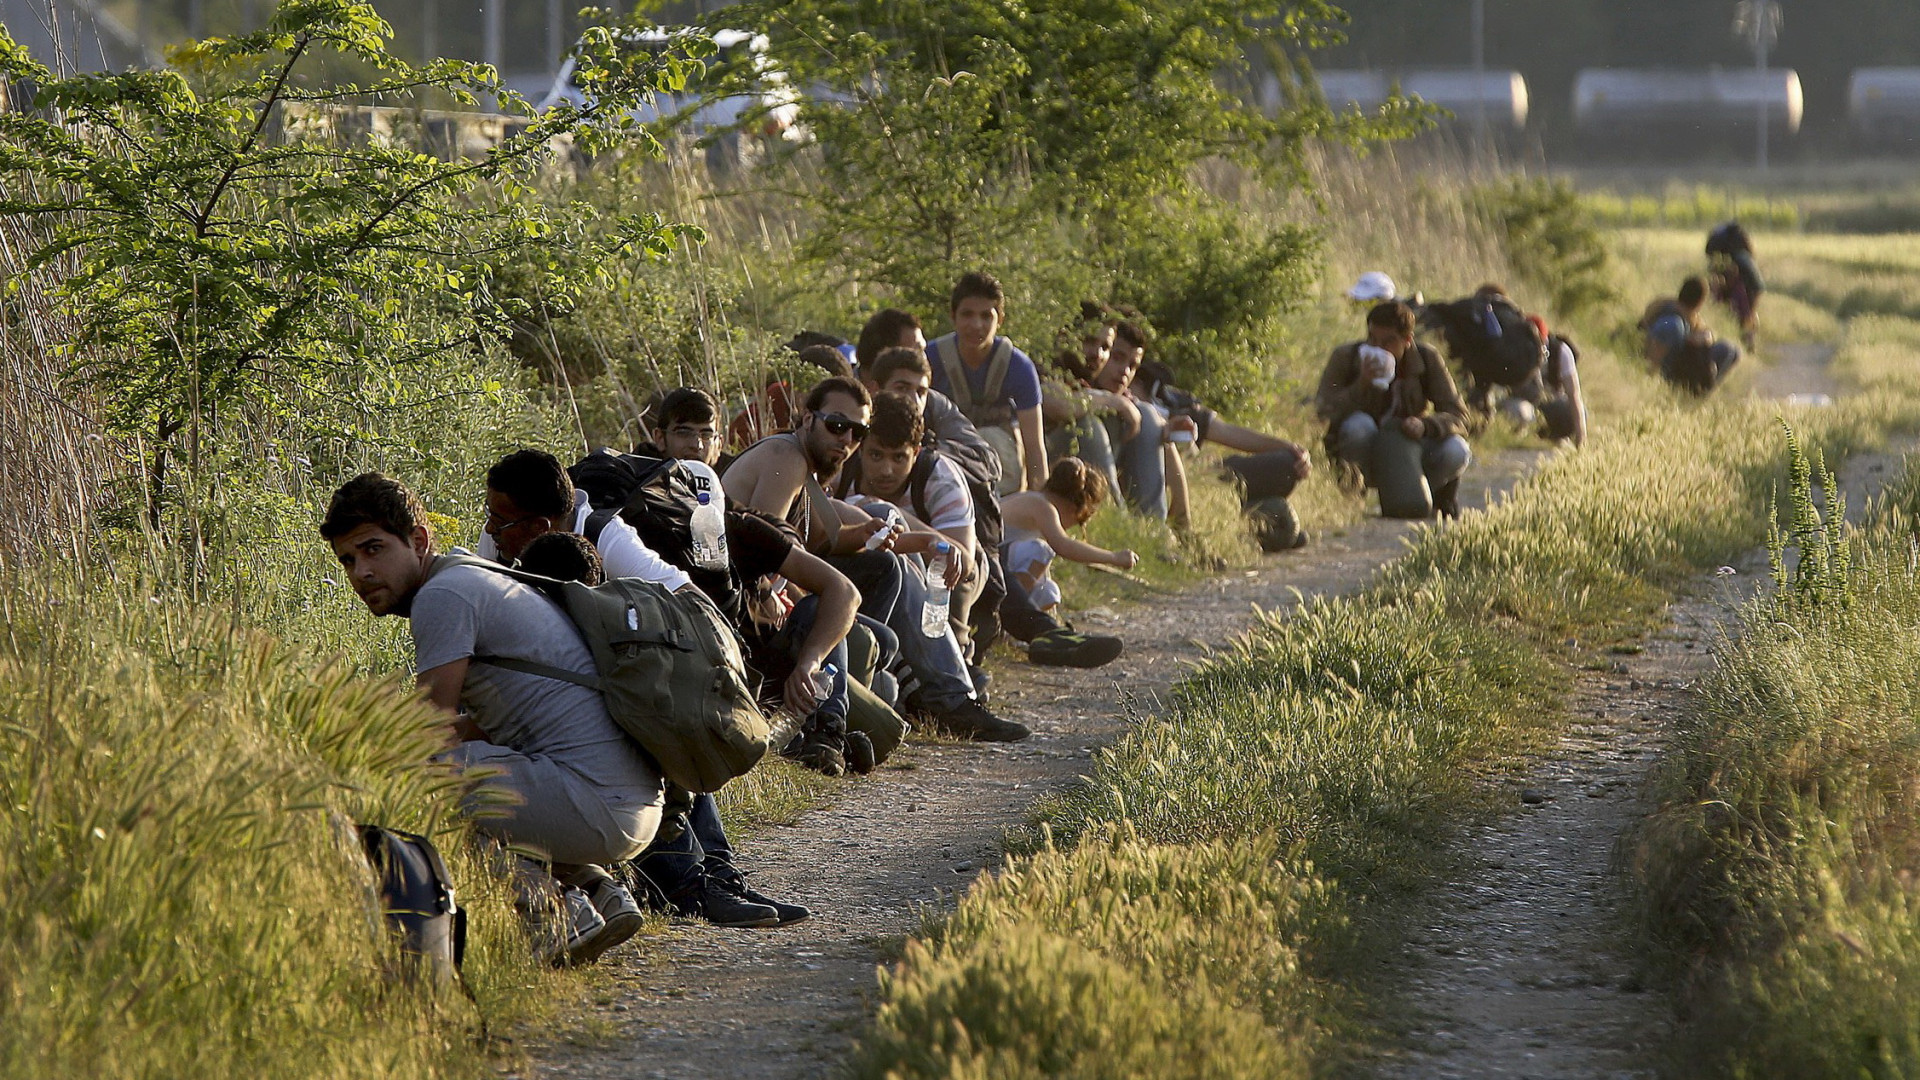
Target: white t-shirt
{"x":622,"y":552}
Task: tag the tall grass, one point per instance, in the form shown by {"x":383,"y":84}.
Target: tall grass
{"x":1777,"y":876}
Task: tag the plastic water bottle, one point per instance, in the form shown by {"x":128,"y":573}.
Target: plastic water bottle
{"x":709,"y":523}
{"x":895,"y":524}
{"x":933,"y":613}
{"x":823,"y":682}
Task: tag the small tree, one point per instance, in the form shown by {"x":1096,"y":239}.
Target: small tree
{"x":228,"y":261}
{"x":1043,"y":139}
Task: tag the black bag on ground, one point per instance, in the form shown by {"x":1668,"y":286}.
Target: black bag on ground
{"x":416,"y":900}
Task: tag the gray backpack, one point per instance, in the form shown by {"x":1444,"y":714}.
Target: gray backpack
{"x":670,"y":668}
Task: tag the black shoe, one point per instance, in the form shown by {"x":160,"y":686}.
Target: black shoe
{"x":860,"y":755}
{"x":736,"y":882}
{"x":1067,"y":647}
{"x":720,"y":905}
{"x":971,"y":720}
{"x":1446,"y":499}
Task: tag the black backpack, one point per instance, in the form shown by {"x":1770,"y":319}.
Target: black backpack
{"x":1729,"y":239}
{"x":658,"y":500}
{"x":416,"y":901}
{"x":1492,"y":338}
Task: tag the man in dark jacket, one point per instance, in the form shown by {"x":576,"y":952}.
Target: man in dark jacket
{"x":1390,"y":379}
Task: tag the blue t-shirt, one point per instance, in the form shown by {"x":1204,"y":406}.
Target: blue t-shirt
{"x":1020,"y":389}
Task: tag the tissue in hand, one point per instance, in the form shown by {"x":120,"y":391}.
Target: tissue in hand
{"x":1378,"y":364}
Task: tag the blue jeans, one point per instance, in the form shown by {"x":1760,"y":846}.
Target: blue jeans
{"x":1143,"y":471}
{"x":897,"y":592}
{"x":677,"y":866}
{"x":1442,"y":458}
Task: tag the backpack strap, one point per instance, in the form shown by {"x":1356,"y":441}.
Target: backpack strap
{"x":997,"y":369}
{"x":923,"y":467}
{"x":597,"y":523}
{"x":957,"y":388}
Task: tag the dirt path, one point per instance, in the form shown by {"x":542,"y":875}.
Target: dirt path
{"x":703,"y":1002}
{"x":1520,"y":968}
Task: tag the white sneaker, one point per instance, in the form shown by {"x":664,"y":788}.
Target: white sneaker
{"x":619,"y":911}
{"x":579,"y":930}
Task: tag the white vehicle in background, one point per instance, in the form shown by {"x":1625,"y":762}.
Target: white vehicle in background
{"x":715,"y":121}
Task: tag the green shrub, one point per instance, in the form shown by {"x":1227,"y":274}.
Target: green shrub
{"x":1552,"y":242}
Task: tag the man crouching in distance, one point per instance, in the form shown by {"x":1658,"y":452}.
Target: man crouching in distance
{"x":552,"y":774}
{"x":1389,"y":379}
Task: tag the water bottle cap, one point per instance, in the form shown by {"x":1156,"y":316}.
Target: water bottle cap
{"x":942,"y":547}
{"x":705,"y":498}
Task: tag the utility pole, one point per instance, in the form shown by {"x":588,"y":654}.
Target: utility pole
{"x":1479,"y":30}
{"x":429,"y":30}
{"x":493,"y":39}
{"x":1758,"y":22}
{"x":556,"y":37}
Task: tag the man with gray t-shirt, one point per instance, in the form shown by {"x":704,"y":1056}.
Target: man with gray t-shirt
{"x":555,"y":777}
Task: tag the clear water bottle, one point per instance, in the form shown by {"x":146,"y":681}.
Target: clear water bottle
{"x":933,"y":613}
{"x":709,"y":523}
{"x":823,"y":682}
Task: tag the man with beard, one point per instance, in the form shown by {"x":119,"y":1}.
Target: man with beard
{"x":784,"y":476}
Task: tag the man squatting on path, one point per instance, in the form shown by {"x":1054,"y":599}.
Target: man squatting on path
{"x":530,"y":498}
{"x":1390,"y":379}
{"x":551,"y":773}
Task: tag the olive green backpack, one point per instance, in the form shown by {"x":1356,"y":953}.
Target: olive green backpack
{"x":670,"y":668}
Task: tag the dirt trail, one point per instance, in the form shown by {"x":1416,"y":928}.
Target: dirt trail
{"x":698,"y":1001}
{"x":1521,"y":968}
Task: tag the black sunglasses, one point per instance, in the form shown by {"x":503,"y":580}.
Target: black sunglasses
{"x":840,"y":425}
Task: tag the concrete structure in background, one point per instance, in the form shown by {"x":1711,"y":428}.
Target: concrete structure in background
{"x":74,"y":35}
{"x":1654,"y":105}
{"x":1498,"y":96}
{"x":1883,"y":107}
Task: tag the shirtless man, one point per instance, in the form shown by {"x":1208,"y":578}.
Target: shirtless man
{"x":784,"y":476}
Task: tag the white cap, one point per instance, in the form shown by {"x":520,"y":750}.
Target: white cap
{"x":1373,"y":285}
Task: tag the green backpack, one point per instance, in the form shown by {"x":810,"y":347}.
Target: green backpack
{"x":670,"y":668}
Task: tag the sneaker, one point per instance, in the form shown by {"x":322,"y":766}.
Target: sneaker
{"x":736,"y":882}
{"x":618,"y":909}
{"x":579,"y":930}
{"x":1067,"y":647}
{"x":860,"y":754}
{"x":1446,"y":499}
{"x":971,"y":720}
{"x":720,"y":905}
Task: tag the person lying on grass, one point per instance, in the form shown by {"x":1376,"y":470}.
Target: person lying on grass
{"x":554,"y":775}
{"x":1036,"y":531}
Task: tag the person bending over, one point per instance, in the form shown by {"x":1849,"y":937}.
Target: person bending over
{"x":1389,"y":379}
{"x":993,"y":383}
{"x":1681,"y":347}
{"x":1037,"y":524}
{"x":1551,"y":401}
{"x":551,"y":773}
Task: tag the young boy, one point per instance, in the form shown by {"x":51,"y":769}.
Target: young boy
{"x":893,"y":469}
{"x":993,"y":383}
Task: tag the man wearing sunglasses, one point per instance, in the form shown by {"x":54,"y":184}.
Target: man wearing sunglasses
{"x":785,"y":476}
